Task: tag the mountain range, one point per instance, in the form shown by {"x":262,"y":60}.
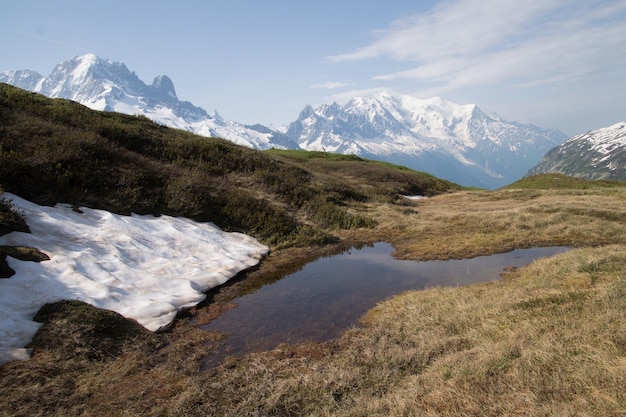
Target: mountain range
{"x":597,"y":154}
{"x":102,"y":84}
{"x":461,"y":143}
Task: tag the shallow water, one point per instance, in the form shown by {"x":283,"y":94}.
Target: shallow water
{"x":330,"y":295}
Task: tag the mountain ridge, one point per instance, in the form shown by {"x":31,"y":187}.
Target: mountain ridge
{"x":106,"y":85}
{"x":594,"y":155}
{"x":461,"y":143}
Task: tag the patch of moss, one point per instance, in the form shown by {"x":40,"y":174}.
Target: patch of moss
{"x":80,"y":330}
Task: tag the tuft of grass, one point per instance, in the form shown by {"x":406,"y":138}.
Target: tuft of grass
{"x":10,"y":219}
{"x":84,"y":331}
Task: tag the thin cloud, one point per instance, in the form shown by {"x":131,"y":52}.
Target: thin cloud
{"x":465,"y":43}
{"x":453,"y":28}
{"x":42,"y":38}
{"x":330,"y":85}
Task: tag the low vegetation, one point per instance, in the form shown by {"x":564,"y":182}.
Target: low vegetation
{"x":547,"y":339}
{"x":59,"y":151}
{"x":10,"y":219}
{"x":471,"y":223}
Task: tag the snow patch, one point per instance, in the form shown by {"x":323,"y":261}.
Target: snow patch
{"x":144,"y":267}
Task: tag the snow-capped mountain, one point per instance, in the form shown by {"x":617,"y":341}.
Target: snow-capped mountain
{"x":460,"y":143}
{"x":110,"y":86}
{"x":597,"y":154}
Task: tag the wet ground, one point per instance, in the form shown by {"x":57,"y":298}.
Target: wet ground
{"x":328,"y":296}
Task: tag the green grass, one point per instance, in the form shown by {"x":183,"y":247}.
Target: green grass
{"x":304,"y":156}
{"x":374,"y":180}
{"x":560,"y":181}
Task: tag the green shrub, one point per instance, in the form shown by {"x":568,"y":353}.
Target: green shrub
{"x":10,"y":219}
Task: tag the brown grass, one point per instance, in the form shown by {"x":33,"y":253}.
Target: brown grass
{"x":547,"y":340}
{"x":471,"y":223}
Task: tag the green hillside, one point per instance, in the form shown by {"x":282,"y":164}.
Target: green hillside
{"x":54,"y":150}
{"x":555,"y":181}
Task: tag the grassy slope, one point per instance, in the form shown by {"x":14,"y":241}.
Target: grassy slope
{"x":58,"y":151}
{"x":549,"y":339}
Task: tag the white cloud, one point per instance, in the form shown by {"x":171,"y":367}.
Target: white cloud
{"x":467,"y":43}
{"x":330,"y":85}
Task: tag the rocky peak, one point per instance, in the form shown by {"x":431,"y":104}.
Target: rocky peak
{"x":164,"y":85}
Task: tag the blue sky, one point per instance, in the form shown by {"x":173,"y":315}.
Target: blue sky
{"x":554,"y":63}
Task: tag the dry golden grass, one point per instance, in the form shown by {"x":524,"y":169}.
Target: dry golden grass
{"x":472,"y":223}
{"x":547,"y":340}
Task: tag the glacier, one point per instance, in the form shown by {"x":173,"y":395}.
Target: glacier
{"x":461,"y":143}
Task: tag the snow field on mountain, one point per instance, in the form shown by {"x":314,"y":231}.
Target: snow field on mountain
{"x":146,"y":268}
{"x":605,"y":140}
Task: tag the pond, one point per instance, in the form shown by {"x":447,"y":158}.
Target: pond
{"x":330,"y":295}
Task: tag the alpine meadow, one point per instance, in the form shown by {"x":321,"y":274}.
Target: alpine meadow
{"x":547,"y":339}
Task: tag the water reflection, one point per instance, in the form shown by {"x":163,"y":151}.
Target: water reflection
{"x":328,"y":296}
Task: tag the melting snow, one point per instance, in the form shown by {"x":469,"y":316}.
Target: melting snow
{"x":144,"y":267}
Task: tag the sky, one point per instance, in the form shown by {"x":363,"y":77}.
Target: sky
{"x":553,"y":63}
